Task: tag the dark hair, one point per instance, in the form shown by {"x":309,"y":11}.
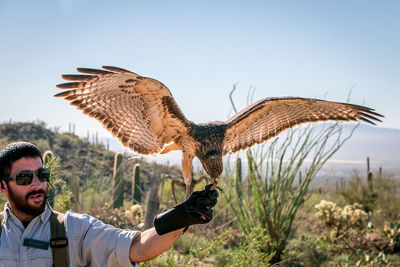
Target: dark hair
{"x":15,"y":151}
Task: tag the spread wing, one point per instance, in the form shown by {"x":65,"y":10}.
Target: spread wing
{"x":139,"y":111}
{"x":270,"y":116}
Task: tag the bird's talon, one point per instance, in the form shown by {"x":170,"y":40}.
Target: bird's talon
{"x":216,"y":187}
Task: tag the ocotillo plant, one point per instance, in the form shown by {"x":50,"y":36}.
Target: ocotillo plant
{"x":273,"y":202}
{"x":136,"y":190}
{"x":238,"y":179}
{"x":117,"y":184}
{"x":300,"y":179}
{"x":46,"y":157}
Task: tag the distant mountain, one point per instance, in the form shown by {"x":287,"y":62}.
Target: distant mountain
{"x":382,"y":145}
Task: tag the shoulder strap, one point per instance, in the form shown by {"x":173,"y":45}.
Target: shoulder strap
{"x":1,"y":221}
{"x":58,"y":241}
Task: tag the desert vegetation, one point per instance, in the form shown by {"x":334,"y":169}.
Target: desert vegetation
{"x":267,"y":213}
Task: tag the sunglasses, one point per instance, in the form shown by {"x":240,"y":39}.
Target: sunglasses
{"x":26,"y":177}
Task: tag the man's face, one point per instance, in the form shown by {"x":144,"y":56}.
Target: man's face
{"x":27,"y":199}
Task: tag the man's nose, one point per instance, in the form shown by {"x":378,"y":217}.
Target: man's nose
{"x":35,"y":181}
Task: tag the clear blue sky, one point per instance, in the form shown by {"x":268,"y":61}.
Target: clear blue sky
{"x":199,"y":49}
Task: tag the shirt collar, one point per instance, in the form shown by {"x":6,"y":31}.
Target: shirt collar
{"x":46,"y":214}
{"x":43,"y":217}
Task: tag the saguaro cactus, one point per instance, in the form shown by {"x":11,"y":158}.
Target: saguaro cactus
{"x":136,"y":190}
{"x":369,"y":175}
{"x":117,"y":184}
{"x":75,"y":192}
{"x":152,"y":199}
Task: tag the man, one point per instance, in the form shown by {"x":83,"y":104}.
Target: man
{"x":25,"y":234}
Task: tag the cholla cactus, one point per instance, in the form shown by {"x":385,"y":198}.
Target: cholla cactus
{"x":354,"y":216}
{"x":329,"y":213}
{"x":392,"y":232}
{"x":135,"y":213}
{"x":351,"y":216}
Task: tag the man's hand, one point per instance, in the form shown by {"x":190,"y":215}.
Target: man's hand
{"x":197,"y":209}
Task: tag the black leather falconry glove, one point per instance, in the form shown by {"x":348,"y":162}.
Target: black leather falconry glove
{"x":197,"y":209}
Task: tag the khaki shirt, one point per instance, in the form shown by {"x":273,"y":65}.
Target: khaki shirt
{"x":90,"y":241}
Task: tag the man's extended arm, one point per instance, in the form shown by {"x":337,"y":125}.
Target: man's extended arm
{"x":149,"y":244}
{"x":198,"y":208}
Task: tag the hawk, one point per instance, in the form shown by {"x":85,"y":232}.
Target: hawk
{"x":142,"y":113}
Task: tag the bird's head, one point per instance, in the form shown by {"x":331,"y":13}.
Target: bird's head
{"x":209,"y":138}
{"x":212,"y":162}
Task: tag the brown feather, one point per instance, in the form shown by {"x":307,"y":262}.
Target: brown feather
{"x":71,"y":97}
{"x":77,"y":77}
{"x":94,"y":71}
{"x":116,"y":69}
{"x":70,"y":85}
{"x":65,"y":94}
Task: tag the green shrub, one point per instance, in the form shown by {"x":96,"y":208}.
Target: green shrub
{"x":62,"y":195}
{"x":350,"y":233}
{"x":383,"y":197}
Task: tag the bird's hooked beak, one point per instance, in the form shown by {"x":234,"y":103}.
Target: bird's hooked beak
{"x":213,"y":165}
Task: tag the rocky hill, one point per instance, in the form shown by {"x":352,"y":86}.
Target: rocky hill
{"x":91,"y":162}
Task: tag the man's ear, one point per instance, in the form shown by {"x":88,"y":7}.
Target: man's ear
{"x":3,"y":187}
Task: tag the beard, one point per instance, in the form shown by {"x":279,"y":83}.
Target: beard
{"x":22,"y":204}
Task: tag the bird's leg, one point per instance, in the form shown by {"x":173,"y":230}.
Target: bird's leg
{"x":187,"y":174}
{"x":215,"y":184}
{"x":188,"y":191}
